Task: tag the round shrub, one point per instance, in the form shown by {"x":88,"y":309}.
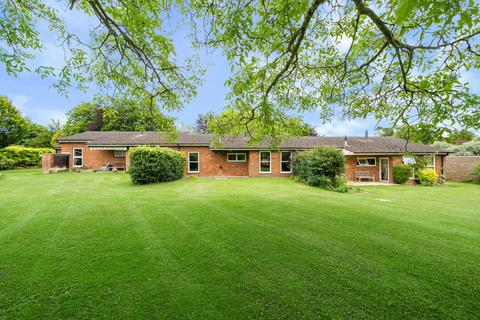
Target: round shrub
{"x":155,"y":164}
{"x":427,"y":177}
{"x":321,"y":167}
{"x":401,"y":173}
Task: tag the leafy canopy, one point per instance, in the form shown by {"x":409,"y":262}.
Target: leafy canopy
{"x":401,"y":60}
{"x":13,"y":127}
{"x":396,"y":60}
{"x":116,"y":115}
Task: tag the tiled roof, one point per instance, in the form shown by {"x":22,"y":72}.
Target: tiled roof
{"x":357,"y":145}
{"x":134,"y":138}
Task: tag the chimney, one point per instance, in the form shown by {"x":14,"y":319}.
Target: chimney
{"x":366,"y":134}
{"x":346,"y":142}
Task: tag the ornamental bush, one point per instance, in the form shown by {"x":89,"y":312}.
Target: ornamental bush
{"x":476,"y":173}
{"x":6,"y":163}
{"x":322,"y":167}
{"x":155,"y":164}
{"x":24,"y":157}
{"x":427,"y":177}
{"x":401,"y":173}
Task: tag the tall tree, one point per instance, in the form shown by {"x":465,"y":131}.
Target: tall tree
{"x":37,"y":136}
{"x":129,"y":115}
{"x":79,"y":117}
{"x":201,"y":123}
{"x":116,"y":115}
{"x":460,"y":136}
{"x":13,"y":126}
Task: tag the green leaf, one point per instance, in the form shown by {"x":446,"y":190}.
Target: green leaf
{"x":404,"y":8}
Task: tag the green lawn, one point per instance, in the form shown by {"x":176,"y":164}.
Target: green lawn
{"x":92,"y":245}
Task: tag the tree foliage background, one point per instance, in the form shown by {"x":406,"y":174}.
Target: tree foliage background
{"x":402,"y":63}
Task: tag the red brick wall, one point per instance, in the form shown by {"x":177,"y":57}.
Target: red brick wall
{"x":460,"y":168}
{"x":214,"y":163}
{"x":92,"y":159}
{"x":254,"y":165}
{"x":351,"y":166}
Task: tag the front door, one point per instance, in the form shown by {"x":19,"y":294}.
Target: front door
{"x":384,"y":169}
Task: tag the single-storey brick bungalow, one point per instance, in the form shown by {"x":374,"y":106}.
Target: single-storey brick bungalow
{"x":365,"y":157}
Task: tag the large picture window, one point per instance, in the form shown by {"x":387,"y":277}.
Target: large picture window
{"x":78,"y":157}
{"x":193,"y":162}
{"x":366,"y":162}
{"x":265,"y":162}
{"x":286,"y":161}
{"x":236,"y":157}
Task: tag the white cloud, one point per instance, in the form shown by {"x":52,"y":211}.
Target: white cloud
{"x":35,"y":113}
{"x":20,"y":101}
{"x":346,"y":127}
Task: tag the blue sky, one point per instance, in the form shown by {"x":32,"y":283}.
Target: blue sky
{"x":36,"y":100}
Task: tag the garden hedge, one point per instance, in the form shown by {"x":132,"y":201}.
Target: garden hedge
{"x":155,"y":164}
{"x":11,"y":157}
{"x":322,"y":167}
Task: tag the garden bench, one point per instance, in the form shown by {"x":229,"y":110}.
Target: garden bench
{"x":363,"y":175}
{"x":117,"y":166}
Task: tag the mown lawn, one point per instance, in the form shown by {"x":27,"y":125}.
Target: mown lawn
{"x":85,"y":245}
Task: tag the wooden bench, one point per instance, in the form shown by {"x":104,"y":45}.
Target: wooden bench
{"x":116,"y":166}
{"x":364,"y":175}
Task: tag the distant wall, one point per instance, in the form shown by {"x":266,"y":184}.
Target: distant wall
{"x":459,"y":168}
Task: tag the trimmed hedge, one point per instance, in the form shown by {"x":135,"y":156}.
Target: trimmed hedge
{"x":22,"y":157}
{"x":322,"y":167}
{"x":401,"y":173}
{"x":155,"y":164}
{"x":427,"y":177}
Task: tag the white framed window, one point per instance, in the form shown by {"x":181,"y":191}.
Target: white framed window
{"x":193,"y":162}
{"x":429,"y":161}
{"x":366,"y":162}
{"x":77,"y":157}
{"x":265,"y":161}
{"x":236,"y":157}
{"x":286,"y":158}
{"x":119,"y":153}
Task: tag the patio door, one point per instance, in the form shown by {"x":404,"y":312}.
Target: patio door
{"x":384,"y":168}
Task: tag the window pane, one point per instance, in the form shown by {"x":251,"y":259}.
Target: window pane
{"x":77,"y":161}
{"x":193,"y":166}
{"x":193,"y":156}
{"x":265,"y":166}
{"x":286,"y":156}
{"x":77,"y":152}
{"x":241,"y":157}
{"x":265,"y":156}
{"x":428,"y":161}
{"x":286,"y":166}
{"x":409,"y":160}
{"x":231,"y":157}
{"x":371,"y":162}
